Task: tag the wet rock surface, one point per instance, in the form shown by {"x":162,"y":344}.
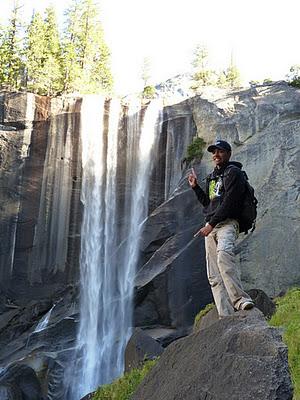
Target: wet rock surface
{"x":238,"y":357}
{"x":46,"y":347}
{"x":20,"y":382}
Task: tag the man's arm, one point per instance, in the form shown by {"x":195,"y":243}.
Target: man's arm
{"x":234,"y":183}
{"x":201,"y":195}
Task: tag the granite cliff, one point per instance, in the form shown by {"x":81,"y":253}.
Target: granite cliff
{"x":41,"y":212}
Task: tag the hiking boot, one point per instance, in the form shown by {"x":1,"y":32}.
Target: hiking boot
{"x":247,"y":305}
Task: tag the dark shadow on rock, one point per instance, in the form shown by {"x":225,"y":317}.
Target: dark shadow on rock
{"x":140,"y":348}
{"x":262,"y":302}
{"x":23,"y":379}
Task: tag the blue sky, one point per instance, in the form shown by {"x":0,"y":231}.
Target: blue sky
{"x":262,"y":35}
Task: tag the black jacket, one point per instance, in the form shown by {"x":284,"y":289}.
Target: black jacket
{"x":224,"y":193}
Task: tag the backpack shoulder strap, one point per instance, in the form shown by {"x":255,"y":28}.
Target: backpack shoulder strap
{"x":227,"y":170}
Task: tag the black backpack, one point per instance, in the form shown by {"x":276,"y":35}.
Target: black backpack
{"x":248,"y":213}
{"x":249,"y":208}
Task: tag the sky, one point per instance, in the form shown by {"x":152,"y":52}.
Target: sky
{"x":261,"y":35}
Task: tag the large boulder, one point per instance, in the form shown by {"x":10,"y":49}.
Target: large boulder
{"x":140,"y":347}
{"x":238,"y":357}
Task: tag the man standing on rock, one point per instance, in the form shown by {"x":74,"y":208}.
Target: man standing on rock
{"x":222,"y":202}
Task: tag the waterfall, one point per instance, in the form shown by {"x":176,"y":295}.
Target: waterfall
{"x":91,"y":238}
{"x":108,"y":253}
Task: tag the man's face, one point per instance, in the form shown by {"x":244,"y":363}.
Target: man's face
{"x":220,"y":157}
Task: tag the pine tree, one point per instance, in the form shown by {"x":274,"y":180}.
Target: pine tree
{"x":222,"y":80}
{"x":233,"y":77}
{"x":35,"y":51}
{"x":149,"y":90}
{"x":2,"y":55}
{"x":294,"y":76}
{"x":203,"y":76}
{"x":11,"y":65}
{"x":53,"y":63}
{"x":85,"y":53}
{"x":43,"y":55}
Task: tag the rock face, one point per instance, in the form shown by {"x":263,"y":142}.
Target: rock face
{"x":263,"y":125}
{"x":20,"y":382}
{"x":41,"y":212}
{"x":40,"y":192}
{"x":235,"y":358}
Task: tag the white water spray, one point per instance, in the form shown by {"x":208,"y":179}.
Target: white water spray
{"x":107,"y":275}
{"x":44,"y":321}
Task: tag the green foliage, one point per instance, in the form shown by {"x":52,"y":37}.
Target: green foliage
{"x":43,"y":55}
{"x":11,"y":65}
{"x":195,"y":149}
{"x":254,"y":83}
{"x":124,"y":387}
{"x":294,"y":76}
{"x":201,"y":314}
{"x":229,"y":78}
{"x":203,"y":75}
{"x":34,"y":51}
{"x":46,"y":64}
{"x":53,"y":61}
{"x":85,"y":54}
{"x":288,"y":316}
{"x":222,"y":80}
{"x":233,"y":76}
{"x":149,"y":92}
{"x":267,"y":81}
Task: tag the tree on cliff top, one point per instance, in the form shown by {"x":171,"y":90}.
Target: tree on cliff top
{"x":35,"y":53}
{"x":43,"y":55}
{"x":11,"y":65}
{"x":233,"y":75}
{"x":149,"y":90}
{"x":294,"y":76}
{"x":203,"y":75}
{"x":85,"y":53}
{"x":53,"y":62}
{"x":43,"y":64}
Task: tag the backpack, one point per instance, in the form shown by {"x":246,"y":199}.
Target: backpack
{"x":248,"y":213}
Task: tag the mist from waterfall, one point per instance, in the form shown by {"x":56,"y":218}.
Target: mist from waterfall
{"x":109,"y":248}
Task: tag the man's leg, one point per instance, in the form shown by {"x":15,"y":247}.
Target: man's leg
{"x":219,"y":291}
{"x":226,"y":236}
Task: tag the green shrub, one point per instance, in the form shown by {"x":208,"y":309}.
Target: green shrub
{"x":201,"y":314}
{"x":124,"y":387}
{"x":149,"y":92}
{"x":267,"y":81}
{"x":295,"y":82}
{"x":195,"y":149}
{"x":288,"y":316}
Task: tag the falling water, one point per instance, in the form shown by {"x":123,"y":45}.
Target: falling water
{"x":108,"y":269}
{"x":91,"y":256}
{"x":44,"y":321}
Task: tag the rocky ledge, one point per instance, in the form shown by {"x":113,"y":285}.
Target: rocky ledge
{"x":238,"y":357}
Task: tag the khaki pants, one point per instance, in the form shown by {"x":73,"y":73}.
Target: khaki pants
{"x":222,"y":271}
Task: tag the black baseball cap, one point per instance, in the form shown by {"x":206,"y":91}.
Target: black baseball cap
{"x":219,"y":144}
